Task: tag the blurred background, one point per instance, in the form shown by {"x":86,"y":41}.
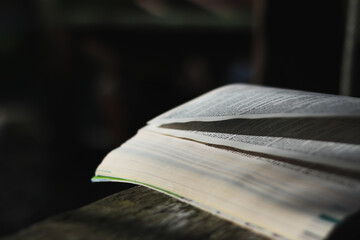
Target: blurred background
{"x":79,"y":77}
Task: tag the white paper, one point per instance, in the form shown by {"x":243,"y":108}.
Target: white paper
{"x":247,"y":101}
{"x":277,"y":199}
{"x":331,"y":142}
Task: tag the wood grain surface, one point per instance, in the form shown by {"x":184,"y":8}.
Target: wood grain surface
{"x":136,"y":213}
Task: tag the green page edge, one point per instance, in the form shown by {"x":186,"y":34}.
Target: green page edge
{"x":107,"y":178}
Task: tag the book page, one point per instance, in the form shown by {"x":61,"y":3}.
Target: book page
{"x":273,"y":198}
{"x":248,"y":101}
{"x":329,"y":141}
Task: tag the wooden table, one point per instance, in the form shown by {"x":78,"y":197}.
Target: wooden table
{"x":142,"y":213}
{"x":136,"y":213}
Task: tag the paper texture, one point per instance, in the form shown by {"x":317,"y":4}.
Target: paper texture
{"x":280,"y":162}
{"x":247,"y":101}
{"x":256,"y":192}
{"x":328,"y":141}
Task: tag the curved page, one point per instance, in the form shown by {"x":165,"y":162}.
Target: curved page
{"x":276,"y":199}
{"x":332,"y":142}
{"x":247,"y":101}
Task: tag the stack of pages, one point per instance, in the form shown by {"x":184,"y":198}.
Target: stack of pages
{"x":282,"y":163}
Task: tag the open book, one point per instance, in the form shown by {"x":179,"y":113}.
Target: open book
{"x":283,"y":163}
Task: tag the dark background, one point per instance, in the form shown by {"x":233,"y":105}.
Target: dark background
{"x":78,"y":78}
